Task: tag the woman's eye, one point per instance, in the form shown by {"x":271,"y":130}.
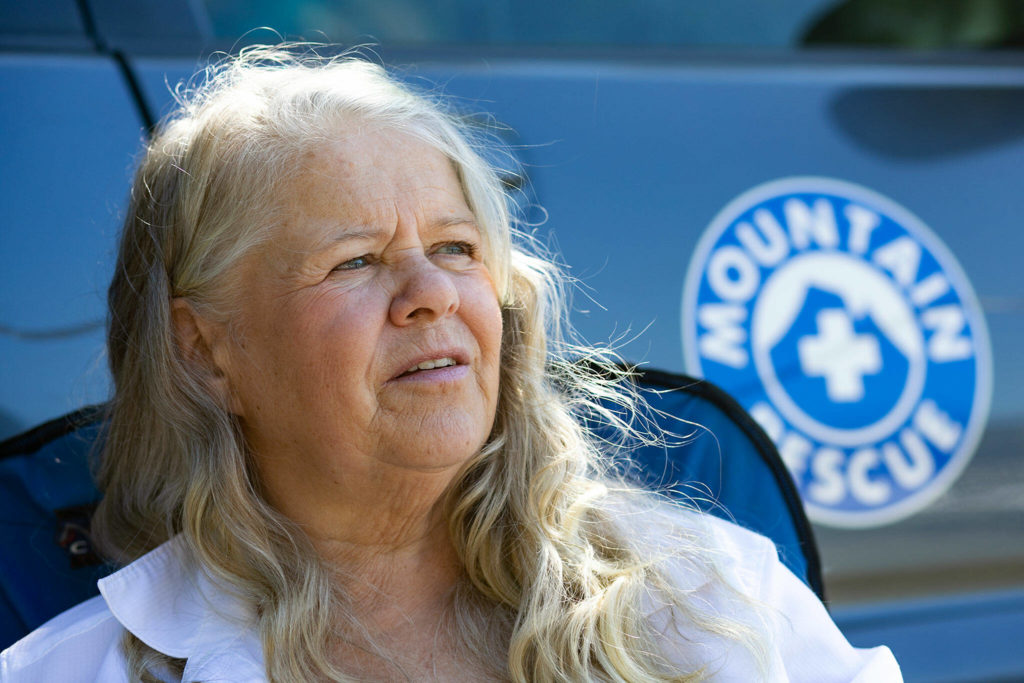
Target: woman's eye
{"x":456,"y":249}
{"x":355,"y":263}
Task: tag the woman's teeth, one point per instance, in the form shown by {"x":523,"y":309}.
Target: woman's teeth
{"x":431,"y":364}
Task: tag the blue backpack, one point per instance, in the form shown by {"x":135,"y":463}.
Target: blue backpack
{"x":728,"y":467}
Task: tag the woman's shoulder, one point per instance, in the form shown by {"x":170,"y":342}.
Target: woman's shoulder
{"x":80,"y":644}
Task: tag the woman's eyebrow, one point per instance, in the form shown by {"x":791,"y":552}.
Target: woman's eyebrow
{"x":460,"y":219}
{"x":344,"y":235}
{"x":351,"y":234}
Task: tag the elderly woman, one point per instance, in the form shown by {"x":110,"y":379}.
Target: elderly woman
{"x":335,"y":448}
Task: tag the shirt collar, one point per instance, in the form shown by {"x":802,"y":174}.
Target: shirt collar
{"x":170,"y":604}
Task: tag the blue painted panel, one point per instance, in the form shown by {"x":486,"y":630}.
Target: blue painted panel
{"x":964,"y":638}
{"x":157,"y":76}
{"x":69,"y":133}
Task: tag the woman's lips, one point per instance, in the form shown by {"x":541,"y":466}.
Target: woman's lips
{"x":450,"y":363}
{"x":444,"y":373}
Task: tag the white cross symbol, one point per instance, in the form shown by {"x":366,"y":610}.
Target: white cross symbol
{"x":839,"y":355}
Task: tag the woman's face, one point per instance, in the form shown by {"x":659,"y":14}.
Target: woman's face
{"x":369,"y":334}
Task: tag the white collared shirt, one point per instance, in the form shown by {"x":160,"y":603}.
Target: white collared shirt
{"x":167,"y":603}
{"x":164,"y":600}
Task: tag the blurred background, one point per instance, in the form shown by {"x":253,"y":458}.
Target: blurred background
{"x":632,"y":124}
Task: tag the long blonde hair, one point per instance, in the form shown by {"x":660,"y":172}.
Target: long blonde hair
{"x":553,"y":590}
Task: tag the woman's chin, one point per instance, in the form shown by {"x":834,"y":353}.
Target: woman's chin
{"x":437,"y":451}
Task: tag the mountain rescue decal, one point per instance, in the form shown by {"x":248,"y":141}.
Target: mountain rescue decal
{"x":850,"y":333}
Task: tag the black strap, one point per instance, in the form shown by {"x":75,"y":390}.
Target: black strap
{"x":37,"y":437}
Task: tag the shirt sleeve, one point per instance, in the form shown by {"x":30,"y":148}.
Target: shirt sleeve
{"x":808,"y":644}
{"x":751,"y":586}
{"x":78,"y":646}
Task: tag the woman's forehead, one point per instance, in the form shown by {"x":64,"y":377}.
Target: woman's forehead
{"x":364,"y":169}
{"x":358,"y":185}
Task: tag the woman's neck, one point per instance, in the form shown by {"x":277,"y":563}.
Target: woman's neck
{"x":390,"y":580}
{"x":386,"y":542}
{"x":383,"y":534}
{"x":402,"y":599}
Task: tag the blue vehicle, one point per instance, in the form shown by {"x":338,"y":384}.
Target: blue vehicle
{"x":832,"y":236}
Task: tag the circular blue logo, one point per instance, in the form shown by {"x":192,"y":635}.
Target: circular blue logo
{"x":850,"y":333}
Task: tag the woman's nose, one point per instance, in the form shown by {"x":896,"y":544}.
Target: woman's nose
{"x":425,"y":293}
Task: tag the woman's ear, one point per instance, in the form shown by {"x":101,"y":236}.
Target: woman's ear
{"x":203,"y":344}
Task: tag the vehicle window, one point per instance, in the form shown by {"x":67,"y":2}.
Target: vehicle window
{"x":530,"y":23}
{"x":914,"y":24}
